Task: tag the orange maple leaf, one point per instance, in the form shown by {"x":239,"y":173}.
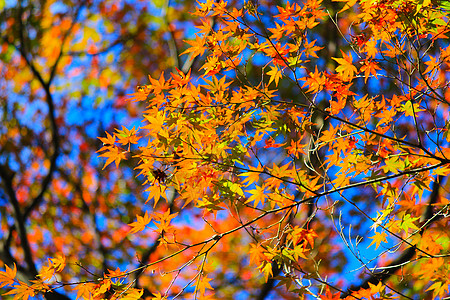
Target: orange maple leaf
{"x":127,"y":136}
{"x":23,"y":291}
{"x":159,"y":85}
{"x":346,"y":68}
{"x":85,"y":290}
{"x":7,"y":277}
{"x":198,"y":47}
{"x":377,"y":239}
{"x":114,"y":155}
{"x":275,"y":75}
{"x":108,"y":141}
{"x":330,"y":296}
{"x":58,"y":263}
{"x":252,"y":175}
{"x":141,"y":223}
{"x":370,"y":67}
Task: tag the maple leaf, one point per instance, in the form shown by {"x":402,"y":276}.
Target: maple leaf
{"x":393,"y":165}
{"x":310,"y":49}
{"x":108,"y":142}
{"x":369,"y":67}
{"x":270,"y":143}
{"x":377,"y":239}
{"x":7,"y":277}
{"x":156,"y":192}
{"x":256,"y":253}
{"x":133,"y":294}
{"x":348,"y":4}
{"x":198,"y":47}
{"x":439,"y":289}
{"x":158,"y":296}
{"x":159,"y":85}
{"x":277,"y":33}
{"x":330,"y":296}
{"x":22,"y":291}
{"x":141,"y":94}
{"x":370,"y":48}
{"x":275,"y":75}
{"x":127,"y":136}
{"x":410,"y":109}
{"x":316,"y":81}
{"x":253,"y":175}
{"x":266,"y":269}
{"x":257,"y":195}
{"x":204,"y":284}
{"x":156,"y":122}
{"x":114,"y":155}
{"x":432,"y":64}
{"x":141,"y":223}
{"x":117,"y":273}
{"x":84,"y":290}
{"x":408,"y":223}
{"x":59,"y":263}
{"x":47,"y":272}
{"x":162,"y":221}
{"x":346,"y":68}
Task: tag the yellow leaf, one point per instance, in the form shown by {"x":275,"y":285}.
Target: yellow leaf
{"x":140,"y":224}
{"x":23,"y":291}
{"x":377,"y":239}
{"x":348,"y":4}
{"x":346,"y":68}
{"x":275,"y":75}
{"x":252,"y":175}
{"x":266,"y":268}
{"x":7,"y":277}
{"x":258,"y":195}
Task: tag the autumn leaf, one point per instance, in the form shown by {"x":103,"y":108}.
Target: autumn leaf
{"x":117,"y":273}
{"x":114,"y":154}
{"x":158,"y":296}
{"x":59,"y":263}
{"x":348,"y":4}
{"x":133,"y":294}
{"x":407,"y":223}
{"x":108,"y":142}
{"x":256,"y":254}
{"x":440,"y":289}
{"x":22,"y":291}
{"x":159,"y":85}
{"x":127,"y":136}
{"x":275,"y":75}
{"x":47,"y":272}
{"x":369,"y":68}
{"x":330,"y":296}
{"x":377,"y":239}
{"x":84,"y":290}
{"x":253,"y":175}
{"x":266,"y":269}
{"x":7,"y":277}
{"x":203,"y":285}
{"x":258,"y":195}
{"x":411,"y":109}
{"x":141,"y":223}
{"x":346,"y":68}
{"x":198,"y":47}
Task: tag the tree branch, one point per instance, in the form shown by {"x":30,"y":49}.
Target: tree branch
{"x":51,"y":107}
{"x":407,"y":255}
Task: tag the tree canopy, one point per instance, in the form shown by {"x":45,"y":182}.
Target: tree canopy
{"x":225,"y":149}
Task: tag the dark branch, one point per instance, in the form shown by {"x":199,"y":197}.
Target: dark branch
{"x":55,"y":135}
{"x":407,"y":255}
{"x":19,"y":222}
